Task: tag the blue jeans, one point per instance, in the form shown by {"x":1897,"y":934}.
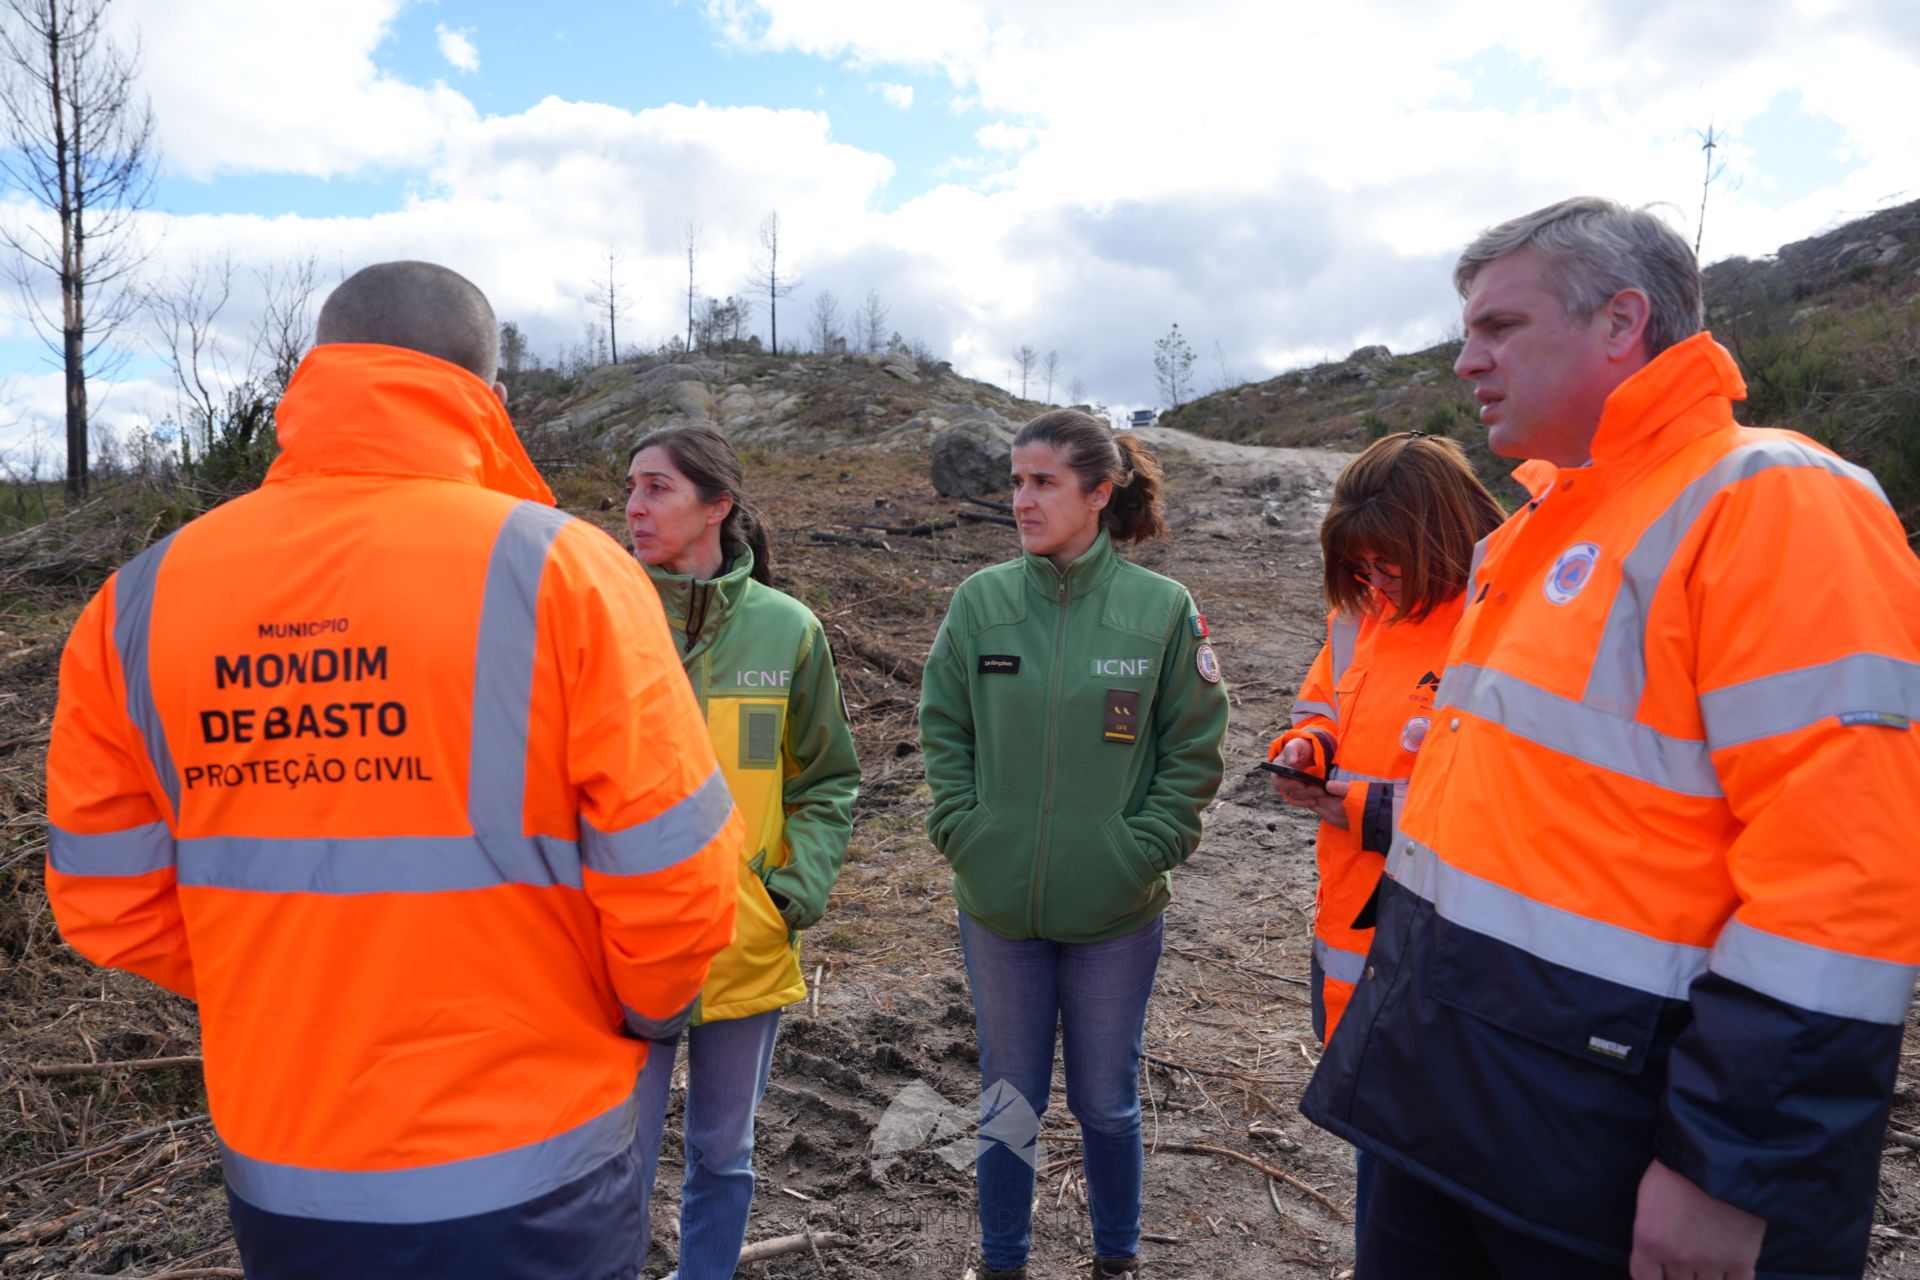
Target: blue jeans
{"x":727,"y":1065}
{"x":1094,"y":995}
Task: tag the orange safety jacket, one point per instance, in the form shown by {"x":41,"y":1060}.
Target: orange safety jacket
{"x":1364,"y":708}
{"x":1654,"y":895}
{"x":392,"y":767}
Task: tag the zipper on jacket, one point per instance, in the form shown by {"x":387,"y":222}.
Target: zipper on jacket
{"x":1046,"y":790}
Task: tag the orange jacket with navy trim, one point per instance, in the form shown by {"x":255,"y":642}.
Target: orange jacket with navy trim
{"x":1364,"y":708}
{"x":1654,"y":893}
{"x":393,"y":768}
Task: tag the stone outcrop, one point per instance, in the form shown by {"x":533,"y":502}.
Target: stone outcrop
{"x":973,"y":457}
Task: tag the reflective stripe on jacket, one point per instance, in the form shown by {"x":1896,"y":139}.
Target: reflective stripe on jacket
{"x":391,"y":766}
{"x":1365,"y":708}
{"x":762,"y":671}
{"x":1654,"y":895}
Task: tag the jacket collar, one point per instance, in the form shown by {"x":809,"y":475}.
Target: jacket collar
{"x":365,"y":409}
{"x":708,"y":601}
{"x":1647,"y":414}
{"x":1081,"y":577}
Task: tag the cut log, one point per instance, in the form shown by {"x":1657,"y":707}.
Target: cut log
{"x":897,"y":665}
{"x":926,"y":530}
{"x":781,"y":1246}
{"x":987,"y":517}
{"x":850,"y":540}
{"x":46,"y":1069}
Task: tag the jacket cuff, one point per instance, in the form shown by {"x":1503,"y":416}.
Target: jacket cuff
{"x":641,"y":1027}
{"x":791,"y":900}
{"x":1319,"y":741}
{"x":1772,"y":1108}
{"x":1370,"y":812}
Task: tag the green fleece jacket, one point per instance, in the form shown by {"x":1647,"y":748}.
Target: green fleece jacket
{"x":1072,"y":738}
{"x":760,"y":666}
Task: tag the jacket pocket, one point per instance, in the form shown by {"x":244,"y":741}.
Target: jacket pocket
{"x":1130,"y":853}
{"x":1097,"y":881}
{"x":1346,"y":693}
{"x":1593,"y":1020}
{"x":965,"y":832}
{"x":760,"y":932}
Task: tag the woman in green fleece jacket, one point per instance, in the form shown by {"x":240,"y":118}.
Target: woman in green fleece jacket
{"x":762,"y":671}
{"x":1071,"y":718}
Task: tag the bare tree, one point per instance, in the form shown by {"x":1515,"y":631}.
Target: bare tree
{"x":1173,"y":367}
{"x":79,"y":145}
{"x":224,"y":405}
{"x":767,"y":279}
{"x":1224,"y":378}
{"x":738,"y":315}
{"x":825,"y":327}
{"x":1024,"y":359}
{"x":610,"y":296}
{"x":692,"y":244}
{"x":513,"y":349}
{"x":872,"y":324}
{"x":1051,"y":368}
{"x":285,"y":330}
{"x":1708,"y":141}
{"x":186,"y":315}
{"x":1077,"y":390}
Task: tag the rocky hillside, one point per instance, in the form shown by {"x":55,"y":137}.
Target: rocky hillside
{"x":1827,"y":332}
{"x":887,"y":400}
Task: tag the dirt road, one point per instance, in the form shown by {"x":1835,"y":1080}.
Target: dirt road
{"x":1228,"y":1031}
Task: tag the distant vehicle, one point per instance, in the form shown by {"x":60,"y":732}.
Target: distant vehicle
{"x":1141,"y":418}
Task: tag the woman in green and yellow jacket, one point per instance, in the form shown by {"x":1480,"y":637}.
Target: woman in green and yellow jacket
{"x":763,"y":673}
{"x":1071,"y":717}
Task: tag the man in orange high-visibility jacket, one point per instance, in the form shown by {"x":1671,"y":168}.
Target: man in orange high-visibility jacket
{"x":1648,"y":939}
{"x":392,"y":768}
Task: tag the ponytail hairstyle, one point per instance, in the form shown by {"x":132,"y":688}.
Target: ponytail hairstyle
{"x":1137,"y":510}
{"x":708,"y":461}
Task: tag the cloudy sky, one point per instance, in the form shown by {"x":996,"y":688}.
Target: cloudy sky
{"x":1285,"y":181}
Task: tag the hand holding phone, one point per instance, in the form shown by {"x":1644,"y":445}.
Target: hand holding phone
{"x":1298,"y":775}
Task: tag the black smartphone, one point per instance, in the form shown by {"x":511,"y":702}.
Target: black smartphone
{"x":1288,"y":771}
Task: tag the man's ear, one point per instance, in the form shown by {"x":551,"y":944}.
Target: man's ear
{"x":1627,"y":313}
{"x":500,"y":389}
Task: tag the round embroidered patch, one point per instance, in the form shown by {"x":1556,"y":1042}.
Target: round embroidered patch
{"x":1207,"y":664}
{"x":1414,"y":733}
{"x":1571,"y":571}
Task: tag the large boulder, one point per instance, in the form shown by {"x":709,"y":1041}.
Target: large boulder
{"x":973,"y":457}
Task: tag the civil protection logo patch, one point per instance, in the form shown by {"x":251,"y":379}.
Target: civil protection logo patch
{"x":1571,"y":571}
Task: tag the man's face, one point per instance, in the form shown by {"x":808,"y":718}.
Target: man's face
{"x":1541,"y":376}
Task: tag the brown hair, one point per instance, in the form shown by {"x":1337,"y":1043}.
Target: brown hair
{"x":1137,"y":510}
{"x":706,"y":458}
{"x":1414,"y":501}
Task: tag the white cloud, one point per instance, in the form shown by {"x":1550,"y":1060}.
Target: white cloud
{"x":1294,"y":183}
{"x":896,"y":95}
{"x":1003,"y":137}
{"x":245,"y":87}
{"x":457,"y":47}
{"x":1287,"y":183}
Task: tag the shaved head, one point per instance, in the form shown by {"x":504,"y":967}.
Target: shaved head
{"x":419,"y":306}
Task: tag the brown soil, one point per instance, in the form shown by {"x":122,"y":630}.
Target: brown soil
{"x":1228,"y":1029}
